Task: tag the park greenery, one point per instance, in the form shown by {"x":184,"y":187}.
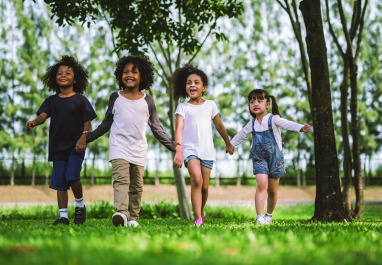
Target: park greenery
{"x":229,"y":236}
{"x":263,"y":47}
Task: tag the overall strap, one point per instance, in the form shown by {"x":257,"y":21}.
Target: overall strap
{"x":270,"y":123}
{"x":253,"y":124}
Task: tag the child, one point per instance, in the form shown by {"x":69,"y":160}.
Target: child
{"x":267,"y":149}
{"x":193,"y":133}
{"x":70,"y":114}
{"x":129,"y":111}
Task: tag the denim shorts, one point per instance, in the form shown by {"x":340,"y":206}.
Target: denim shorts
{"x":205,"y":163}
{"x":65,"y":171}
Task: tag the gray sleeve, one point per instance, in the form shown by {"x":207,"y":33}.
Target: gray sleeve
{"x":105,"y":125}
{"x":156,"y":126}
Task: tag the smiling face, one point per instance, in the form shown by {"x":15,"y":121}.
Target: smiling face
{"x":195,"y":87}
{"x":131,"y":77}
{"x":65,"y":77}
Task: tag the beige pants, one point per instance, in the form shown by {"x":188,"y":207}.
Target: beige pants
{"x":128,"y":187}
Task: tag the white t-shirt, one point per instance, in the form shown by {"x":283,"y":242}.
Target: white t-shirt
{"x":128,"y":131}
{"x":197,"y":138}
{"x":277,"y":122}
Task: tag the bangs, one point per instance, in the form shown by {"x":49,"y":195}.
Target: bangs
{"x":258,"y":94}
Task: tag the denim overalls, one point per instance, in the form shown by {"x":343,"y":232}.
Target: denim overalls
{"x":266,"y":155}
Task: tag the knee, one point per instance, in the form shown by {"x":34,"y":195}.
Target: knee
{"x":197,"y":182}
{"x":272,"y":193}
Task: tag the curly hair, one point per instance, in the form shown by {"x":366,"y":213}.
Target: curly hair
{"x":80,"y":75}
{"x":179,"y":80}
{"x":143,"y":64}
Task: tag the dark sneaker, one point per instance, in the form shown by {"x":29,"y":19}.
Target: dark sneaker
{"x":119,"y":219}
{"x":61,"y":221}
{"x":79,"y":215}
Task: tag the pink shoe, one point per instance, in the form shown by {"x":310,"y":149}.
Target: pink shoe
{"x":198,"y":222}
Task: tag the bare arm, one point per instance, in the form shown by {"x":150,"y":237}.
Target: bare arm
{"x":39,"y":120}
{"x":81,"y":143}
{"x":178,"y":158}
{"x":223,"y":133}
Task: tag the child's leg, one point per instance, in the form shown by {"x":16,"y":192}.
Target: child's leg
{"x":62,"y":199}
{"x":59,"y":183}
{"x":194,"y":168}
{"x":273,"y":185}
{"x":76,"y":187}
{"x":73,"y":175}
{"x":261,"y":192}
{"x":121,"y":183}
{"x":135,"y":191}
{"x":206,"y":173}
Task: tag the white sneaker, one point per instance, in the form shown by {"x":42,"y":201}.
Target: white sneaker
{"x":268,"y":218}
{"x":260,"y":220}
{"x":119,"y":219}
{"x":132,"y":223}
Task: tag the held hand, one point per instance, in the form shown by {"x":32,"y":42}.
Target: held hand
{"x":81,"y":144}
{"x":306,"y":128}
{"x":30,"y":125}
{"x":229,"y":149}
{"x":178,"y":160}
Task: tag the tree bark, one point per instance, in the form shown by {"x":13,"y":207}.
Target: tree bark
{"x":328,"y":202}
{"x":184,"y":205}
{"x":347,"y":161}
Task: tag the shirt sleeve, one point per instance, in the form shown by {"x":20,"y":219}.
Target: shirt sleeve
{"x":46,"y":107}
{"x":215,"y":110}
{"x":88,"y":112}
{"x":287,"y":124}
{"x":180,"y":109}
{"x":243,"y":134}
{"x":156,"y":126}
{"x":105,"y":125}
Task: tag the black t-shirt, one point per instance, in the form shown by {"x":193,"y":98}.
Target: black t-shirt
{"x":68,"y":116}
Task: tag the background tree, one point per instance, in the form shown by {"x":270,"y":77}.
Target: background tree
{"x":352,"y":39}
{"x":328,"y":203}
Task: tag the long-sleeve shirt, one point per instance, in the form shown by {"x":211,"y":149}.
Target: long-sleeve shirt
{"x":277,"y":123}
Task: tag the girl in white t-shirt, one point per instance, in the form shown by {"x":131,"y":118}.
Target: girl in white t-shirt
{"x":267,"y":150}
{"x":193,"y":133}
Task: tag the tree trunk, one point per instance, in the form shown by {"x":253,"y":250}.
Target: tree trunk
{"x":328,"y":203}
{"x":347,"y":162}
{"x":184,"y":205}
{"x":33,"y":171}
{"x":358,"y":180}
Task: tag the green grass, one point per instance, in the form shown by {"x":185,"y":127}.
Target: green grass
{"x":228,"y":237}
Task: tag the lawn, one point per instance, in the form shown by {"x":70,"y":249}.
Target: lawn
{"x":228,"y":237}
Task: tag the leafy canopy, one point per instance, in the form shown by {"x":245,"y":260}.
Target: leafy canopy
{"x":139,"y":23}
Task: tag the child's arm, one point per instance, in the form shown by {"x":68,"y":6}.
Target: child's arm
{"x":290,"y":125}
{"x":242,"y":134}
{"x":105,"y":125}
{"x":223,"y":133}
{"x":81,"y":143}
{"x":39,"y":120}
{"x":178,"y":158}
{"x":156,"y":127}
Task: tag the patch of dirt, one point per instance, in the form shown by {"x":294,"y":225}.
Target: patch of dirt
{"x":151,"y":193}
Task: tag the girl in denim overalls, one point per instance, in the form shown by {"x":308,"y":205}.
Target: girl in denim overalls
{"x":266,"y":151}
